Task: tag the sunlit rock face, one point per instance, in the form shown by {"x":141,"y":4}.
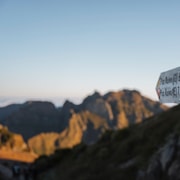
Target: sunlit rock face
{"x":72,"y":124}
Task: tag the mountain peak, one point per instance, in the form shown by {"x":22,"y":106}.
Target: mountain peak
{"x":93,"y":97}
{"x":126,"y":93}
{"x":68,"y":104}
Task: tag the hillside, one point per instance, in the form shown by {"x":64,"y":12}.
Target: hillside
{"x":46,"y":128}
{"x":88,"y":121}
{"x":146,"y":151}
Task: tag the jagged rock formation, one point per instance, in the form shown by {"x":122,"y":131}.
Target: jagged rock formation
{"x":130,"y":107}
{"x":43,"y":143}
{"x":165,"y":163}
{"x":72,"y":124}
{"x":66,"y":112}
{"x":83,"y":127}
{"x":14,"y":148}
{"x":97,"y":105}
{"x":11,"y":141}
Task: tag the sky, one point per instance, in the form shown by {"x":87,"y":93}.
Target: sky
{"x":67,"y":49}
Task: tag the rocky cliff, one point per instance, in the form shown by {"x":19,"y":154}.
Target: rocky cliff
{"x":83,"y":127}
{"x":130,"y":107}
{"x":11,"y":141}
{"x":165,"y":161}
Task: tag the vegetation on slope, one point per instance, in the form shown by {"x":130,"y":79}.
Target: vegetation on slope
{"x":117,"y":155}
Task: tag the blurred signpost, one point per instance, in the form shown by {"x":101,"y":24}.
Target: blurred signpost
{"x":168,"y":86}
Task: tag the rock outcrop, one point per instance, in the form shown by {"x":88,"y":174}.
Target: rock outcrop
{"x":165,"y":163}
{"x":130,"y":107}
{"x":97,"y":105}
{"x":83,"y":127}
{"x":11,"y":141}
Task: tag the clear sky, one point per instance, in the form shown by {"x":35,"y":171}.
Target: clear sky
{"x":70,"y":48}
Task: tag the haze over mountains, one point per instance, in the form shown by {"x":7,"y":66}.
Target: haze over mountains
{"x":46,"y":128}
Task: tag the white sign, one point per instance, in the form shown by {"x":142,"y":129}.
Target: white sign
{"x":168,"y":86}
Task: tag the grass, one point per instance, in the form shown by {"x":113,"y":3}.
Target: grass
{"x":104,"y":159}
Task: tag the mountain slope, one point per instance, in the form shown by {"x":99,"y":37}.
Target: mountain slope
{"x":72,"y":124}
{"x":146,"y":151}
{"x":83,"y":127}
{"x":8,"y":110}
{"x":88,"y":121}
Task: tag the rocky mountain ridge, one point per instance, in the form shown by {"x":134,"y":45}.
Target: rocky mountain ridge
{"x":72,"y":124}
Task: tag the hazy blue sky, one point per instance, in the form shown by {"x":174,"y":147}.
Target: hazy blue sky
{"x":69,"y":48}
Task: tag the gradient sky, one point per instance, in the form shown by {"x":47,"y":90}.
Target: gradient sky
{"x":70,"y":48}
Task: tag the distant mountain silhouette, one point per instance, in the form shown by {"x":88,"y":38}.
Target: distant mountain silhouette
{"x":32,"y":118}
{"x":7,"y":110}
{"x":47,"y":128}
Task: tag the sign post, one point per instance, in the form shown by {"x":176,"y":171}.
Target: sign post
{"x":168,"y":86}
